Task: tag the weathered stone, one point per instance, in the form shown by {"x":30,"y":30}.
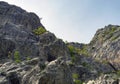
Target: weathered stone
{"x":56,"y":72}
{"x":44,"y":59}
{"x":6,"y":46}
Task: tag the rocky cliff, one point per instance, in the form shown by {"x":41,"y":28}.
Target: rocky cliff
{"x":105,"y":45}
{"x":99,"y":61}
{"x":29,"y":54}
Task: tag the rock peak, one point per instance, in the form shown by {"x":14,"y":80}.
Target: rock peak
{"x":15,"y":15}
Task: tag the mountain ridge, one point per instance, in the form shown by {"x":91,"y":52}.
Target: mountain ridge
{"x":29,"y":54}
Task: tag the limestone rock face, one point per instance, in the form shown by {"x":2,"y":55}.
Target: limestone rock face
{"x":108,"y":39}
{"x":27,"y":58}
{"x":98,"y":58}
{"x":18,"y":16}
{"x":55,"y":72}
{"x":16,"y":31}
{"x":105,"y":79}
{"x":106,"y":45}
{"x":30,"y":58}
{"x":16,"y":26}
{"x":6,"y":46}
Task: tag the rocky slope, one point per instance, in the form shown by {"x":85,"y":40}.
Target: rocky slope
{"x":29,"y":54}
{"x":106,"y":45}
{"x":98,"y":61}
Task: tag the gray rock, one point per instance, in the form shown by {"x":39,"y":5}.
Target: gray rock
{"x":44,"y":59}
{"x":36,"y":53}
{"x":56,"y":72}
{"x":105,"y":79}
{"x":16,"y":27}
{"x":106,"y":43}
{"x":6,"y":46}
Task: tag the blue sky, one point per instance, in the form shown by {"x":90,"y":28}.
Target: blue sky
{"x":73,"y":20}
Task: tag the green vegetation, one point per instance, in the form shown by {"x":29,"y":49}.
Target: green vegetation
{"x":104,"y":61}
{"x":72,"y":52}
{"x":85,"y":64}
{"x":83,"y":51}
{"x":39,"y":31}
{"x":17,"y":57}
{"x":75,"y":76}
{"x":75,"y":79}
{"x":111,"y":31}
{"x":28,"y":58}
{"x":78,"y":82}
{"x":118,"y":73}
{"x":114,"y":38}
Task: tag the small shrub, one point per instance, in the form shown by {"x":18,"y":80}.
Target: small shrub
{"x":75,"y":76}
{"x":73,"y":58}
{"x":39,"y":31}
{"x":71,"y":49}
{"x":28,"y":58}
{"x":72,"y":52}
{"x":75,"y":79}
{"x":83,"y":51}
{"x":78,"y":82}
{"x":17,"y":57}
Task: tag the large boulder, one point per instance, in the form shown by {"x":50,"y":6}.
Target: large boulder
{"x":56,"y":72}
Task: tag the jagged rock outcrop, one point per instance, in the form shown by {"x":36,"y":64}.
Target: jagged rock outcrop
{"x":15,"y":15}
{"x":16,"y":26}
{"x":105,"y":45}
{"x":105,"y":79}
{"x":56,"y":72}
{"x":16,"y":33}
{"x":29,"y":72}
{"x":84,"y":66}
{"x":29,"y":54}
{"x":99,"y":59}
{"x":109,"y":40}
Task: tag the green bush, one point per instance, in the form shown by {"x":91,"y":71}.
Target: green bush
{"x":78,"y":82}
{"x":72,"y":52}
{"x":75,"y":76}
{"x":39,"y":31}
{"x":17,"y":57}
{"x":71,"y":49}
{"x":75,"y":79}
{"x":28,"y":58}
